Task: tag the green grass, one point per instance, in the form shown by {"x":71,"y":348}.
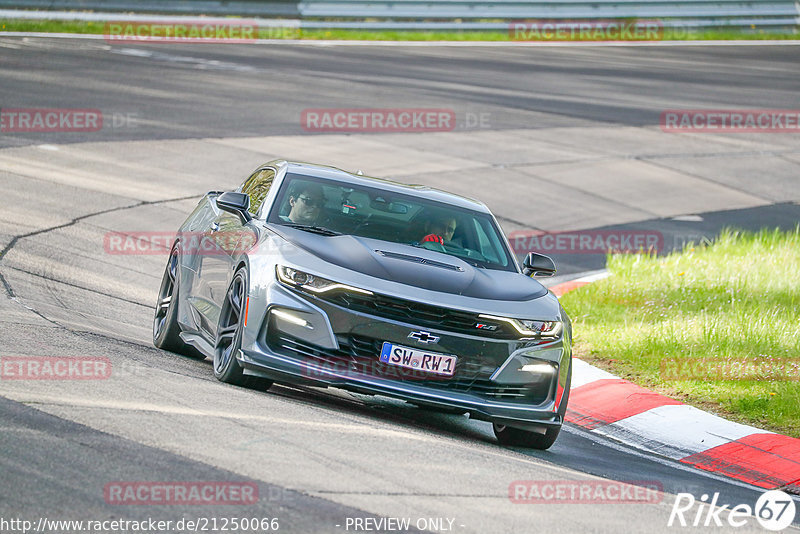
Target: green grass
{"x":736,"y":299}
{"x":56,"y":26}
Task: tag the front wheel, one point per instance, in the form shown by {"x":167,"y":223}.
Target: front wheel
{"x":229,"y":337}
{"x":516,"y":437}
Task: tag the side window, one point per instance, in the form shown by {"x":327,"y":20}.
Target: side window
{"x":488,"y":248}
{"x":257,"y":187}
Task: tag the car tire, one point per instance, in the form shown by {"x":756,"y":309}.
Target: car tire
{"x":166,"y":331}
{"x":517,"y":437}
{"x":229,"y":337}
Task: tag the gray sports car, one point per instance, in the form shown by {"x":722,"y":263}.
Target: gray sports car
{"x":311,"y":275}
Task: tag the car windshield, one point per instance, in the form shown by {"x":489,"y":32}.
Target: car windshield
{"x":334,"y":208}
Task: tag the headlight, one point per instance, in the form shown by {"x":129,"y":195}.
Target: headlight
{"x":313,"y":283}
{"x":529,"y":328}
{"x":542,"y":328}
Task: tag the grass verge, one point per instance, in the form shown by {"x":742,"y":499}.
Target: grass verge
{"x":716,"y":325}
{"x":88,"y":27}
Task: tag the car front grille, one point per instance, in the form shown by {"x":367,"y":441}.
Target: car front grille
{"x":422,"y":315}
{"x":358,"y":357}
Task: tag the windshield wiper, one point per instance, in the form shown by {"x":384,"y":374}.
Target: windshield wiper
{"x":314,"y":229}
{"x":467,"y":259}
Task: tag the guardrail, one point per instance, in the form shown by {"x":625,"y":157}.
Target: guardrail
{"x":270,"y":8}
{"x":454,"y":14}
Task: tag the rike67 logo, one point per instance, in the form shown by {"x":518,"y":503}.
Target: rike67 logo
{"x":774,"y":510}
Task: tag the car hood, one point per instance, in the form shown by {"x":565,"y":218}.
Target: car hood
{"x":414,"y":266}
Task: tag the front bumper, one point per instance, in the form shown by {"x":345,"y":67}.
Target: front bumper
{"x":338,"y":346}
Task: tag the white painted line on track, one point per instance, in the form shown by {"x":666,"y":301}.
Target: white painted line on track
{"x":502,"y":454}
{"x":456,"y":44}
{"x":353,"y":427}
{"x":75,"y":402}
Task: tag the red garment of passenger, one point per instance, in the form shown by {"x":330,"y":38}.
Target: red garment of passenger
{"x":433,"y":237}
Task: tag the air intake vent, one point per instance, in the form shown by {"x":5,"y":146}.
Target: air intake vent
{"x":417,"y":259}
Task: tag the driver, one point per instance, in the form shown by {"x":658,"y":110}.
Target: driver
{"x":439,"y":229}
{"x":307,"y":204}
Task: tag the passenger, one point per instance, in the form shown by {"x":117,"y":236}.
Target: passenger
{"x":307,"y":204}
{"x":440,"y":229}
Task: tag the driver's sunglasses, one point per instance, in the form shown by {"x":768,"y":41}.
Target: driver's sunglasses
{"x":311,"y":203}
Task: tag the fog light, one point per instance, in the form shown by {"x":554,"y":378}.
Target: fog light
{"x":292,"y":318}
{"x":538,"y":368}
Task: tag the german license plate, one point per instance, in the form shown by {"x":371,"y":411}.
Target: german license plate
{"x":431,"y":362}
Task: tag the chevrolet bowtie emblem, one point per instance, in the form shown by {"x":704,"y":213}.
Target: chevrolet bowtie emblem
{"x":424,"y":337}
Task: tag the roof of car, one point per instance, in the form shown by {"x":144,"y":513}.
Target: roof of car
{"x":422,"y":191}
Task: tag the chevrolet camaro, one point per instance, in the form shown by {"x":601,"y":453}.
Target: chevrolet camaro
{"x":311,"y":275}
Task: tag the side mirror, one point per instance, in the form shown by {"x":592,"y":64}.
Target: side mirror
{"x":236,"y":203}
{"x":538,"y":265}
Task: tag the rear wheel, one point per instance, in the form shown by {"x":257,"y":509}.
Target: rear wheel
{"x":517,"y":437}
{"x":229,"y":337}
{"x":166,"y":331}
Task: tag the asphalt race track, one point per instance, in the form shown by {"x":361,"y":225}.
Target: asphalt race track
{"x":551,"y":138}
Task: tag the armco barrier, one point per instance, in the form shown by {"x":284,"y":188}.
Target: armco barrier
{"x":450,"y":14}
{"x":284,"y":8}
{"x":551,"y":9}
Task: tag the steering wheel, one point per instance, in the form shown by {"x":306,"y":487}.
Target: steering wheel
{"x":453,"y":245}
{"x":432,"y":245}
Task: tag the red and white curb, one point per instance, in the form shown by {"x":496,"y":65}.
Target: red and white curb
{"x":564,"y":287}
{"x":608,"y":405}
